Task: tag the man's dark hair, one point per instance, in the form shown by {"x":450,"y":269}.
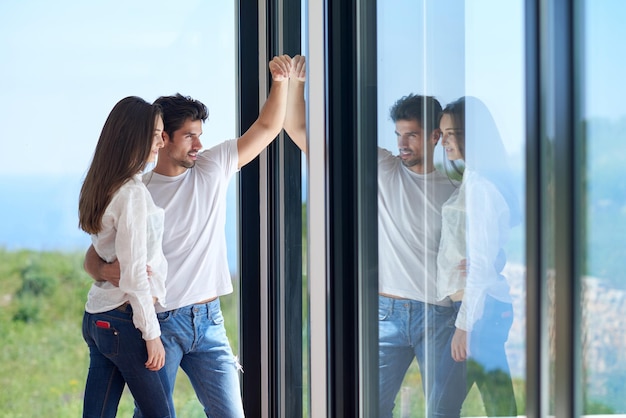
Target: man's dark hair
{"x":419,"y":108}
{"x":177,"y":109}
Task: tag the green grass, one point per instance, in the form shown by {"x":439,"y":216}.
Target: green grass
{"x":44,"y":359}
{"x":410,"y":399}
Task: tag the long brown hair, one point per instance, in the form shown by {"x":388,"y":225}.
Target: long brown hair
{"x":121,"y":153}
{"x":483,"y":149}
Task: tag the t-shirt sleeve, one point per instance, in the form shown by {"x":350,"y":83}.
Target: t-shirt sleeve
{"x":224,"y":157}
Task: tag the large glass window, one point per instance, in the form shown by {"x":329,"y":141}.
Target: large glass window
{"x":451,"y":207}
{"x":65,"y":64}
{"x":602,"y":125}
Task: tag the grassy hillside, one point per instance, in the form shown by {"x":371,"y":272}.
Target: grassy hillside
{"x":44,"y":360}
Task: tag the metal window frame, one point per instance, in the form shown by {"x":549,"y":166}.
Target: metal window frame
{"x":342,"y":152}
{"x":270,"y":218}
{"x":251,"y":346}
{"x":340,"y":202}
{"x":553,"y":156}
{"x":284,"y":237}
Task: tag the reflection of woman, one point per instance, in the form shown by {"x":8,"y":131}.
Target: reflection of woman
{"x":476,"y":222}
{"x":120,"y":324}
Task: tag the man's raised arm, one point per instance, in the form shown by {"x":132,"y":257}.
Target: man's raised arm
{"x":272,"y":116}
{"x":295,"y":120}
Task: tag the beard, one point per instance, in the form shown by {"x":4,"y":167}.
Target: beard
{"x":187,"y":164}
{"x":413,"y":162}
{"x":181,"y":161}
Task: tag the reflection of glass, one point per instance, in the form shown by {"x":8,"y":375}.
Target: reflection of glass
{"x":603,"y":202}
{"x":449,"y":50}
{"x":413,"y":324}
{"x":475,"y":228}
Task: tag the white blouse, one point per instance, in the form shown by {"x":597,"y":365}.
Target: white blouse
{"x":475,"y":227}
{"x":132,"y":232}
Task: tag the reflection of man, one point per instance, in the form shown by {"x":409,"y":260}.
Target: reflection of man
{"x":412,"y":323}
{"x":191,"y":185}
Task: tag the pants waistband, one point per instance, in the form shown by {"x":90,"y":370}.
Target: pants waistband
{"x":123,"y":307}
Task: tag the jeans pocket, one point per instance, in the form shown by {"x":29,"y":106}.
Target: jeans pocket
{"x":217,"y":318}
{"x":106,"y":339}
{"x":384,"y":312}
{"x":445,"y":315}
{"x":164,"y":316}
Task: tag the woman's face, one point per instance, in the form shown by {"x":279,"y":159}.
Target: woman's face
{"x":453,"y":140}
{"x":157,"y":140}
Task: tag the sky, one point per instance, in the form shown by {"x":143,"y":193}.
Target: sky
{"x":64,"y":66}
{"x":476,"y":47}
{"x":446,"y":49}
{"x":604,"y":58}
{"x":67,"y":62}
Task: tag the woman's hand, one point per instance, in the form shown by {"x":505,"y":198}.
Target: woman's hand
{"x":156,"y":354}
{"x":458,"y":346}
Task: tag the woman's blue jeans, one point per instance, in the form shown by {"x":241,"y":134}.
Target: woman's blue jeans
{"x":487,"y":366}
{"x":117,"y":354}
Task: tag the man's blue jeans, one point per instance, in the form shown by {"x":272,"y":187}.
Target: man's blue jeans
{"x":487,"y":366}
{"x":117,"y":355}
{"x":195,"y":339}
{"x":409,"y":329}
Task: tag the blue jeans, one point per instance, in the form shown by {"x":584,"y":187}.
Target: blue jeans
{"x":195,"y":339}
{"x":409,"y":329}
{"x":117,"y":354}
{"x":487,"y":366}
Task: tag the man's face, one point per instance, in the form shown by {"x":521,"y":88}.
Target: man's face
{"x":413,"y":147}
{"x":181,"y":150}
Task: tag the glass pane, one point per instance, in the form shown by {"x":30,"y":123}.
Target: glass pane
{"x":65,"y":64}
{"x":451,"y":207}
{"x":604,"y":206}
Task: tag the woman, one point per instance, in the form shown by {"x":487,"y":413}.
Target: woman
{"x":120,"y":324}
{"x":475,"y":224}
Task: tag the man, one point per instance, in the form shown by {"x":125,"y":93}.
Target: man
{"x":412,"y":322}
{"x":191,"y":186}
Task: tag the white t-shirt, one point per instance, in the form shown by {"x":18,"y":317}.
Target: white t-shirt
{"x":409,"y":228}
{"x":475,"y":228}
{"x":194,"y":241}
{"x":132,"y":229}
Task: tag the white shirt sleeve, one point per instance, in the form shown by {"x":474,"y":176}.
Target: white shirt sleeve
{"x":131,"y":249}
{"x":486,"y":228}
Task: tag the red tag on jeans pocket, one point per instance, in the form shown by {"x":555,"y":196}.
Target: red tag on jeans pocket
{"x":103,"y":324}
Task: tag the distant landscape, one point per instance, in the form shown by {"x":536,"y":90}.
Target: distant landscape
{"x":39,"y":213}
{"x":602,"y":343}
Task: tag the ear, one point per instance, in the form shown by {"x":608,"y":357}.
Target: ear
{"x":435,"y":135}
{"x":166,"y":137}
